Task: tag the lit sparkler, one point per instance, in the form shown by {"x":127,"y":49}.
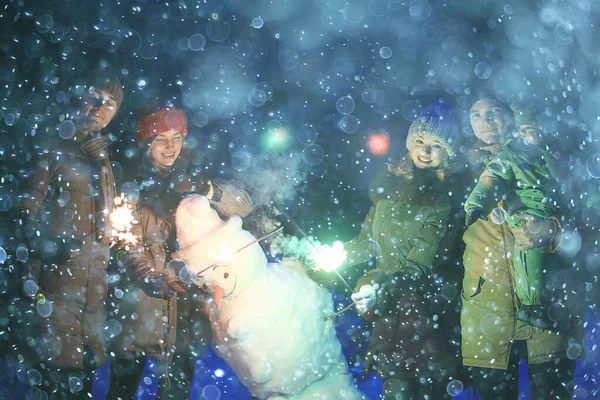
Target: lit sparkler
{"x":328,"y":258}
{"x":333,"y":256}
{"x":121,"y":220}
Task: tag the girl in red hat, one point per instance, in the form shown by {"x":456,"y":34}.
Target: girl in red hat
{"x":168,"y":325}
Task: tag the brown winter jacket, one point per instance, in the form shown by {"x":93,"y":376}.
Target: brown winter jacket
{"x":159,"y":198}
{"x":60,"y":198}
{"x":149,"y":326}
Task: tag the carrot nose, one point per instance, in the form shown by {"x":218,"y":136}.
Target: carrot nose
{"x":218,"y":296}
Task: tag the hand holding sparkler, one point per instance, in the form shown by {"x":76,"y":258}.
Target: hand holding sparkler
{"x":365,"y":298}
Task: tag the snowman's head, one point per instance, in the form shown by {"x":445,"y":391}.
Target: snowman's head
{"x":217,"y":253}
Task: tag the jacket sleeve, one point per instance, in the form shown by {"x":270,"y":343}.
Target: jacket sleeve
{"x":422,"y":256}
{"x":31,"y":197}
{"x":230,"y":198}
{"x":495,"y":181}
{"x":360,"y":248}
{"x":36,"y":187}
{"x":139,"y":264}
{"x":358,"y":251}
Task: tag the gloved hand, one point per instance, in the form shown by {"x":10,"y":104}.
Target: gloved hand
{"x":229,"y":199}
{"x":96,"y":147}
{"x":164,"y":287}
{"x":473,"y":215}
{"x":365,"y":298}
{"x":514,"y":203}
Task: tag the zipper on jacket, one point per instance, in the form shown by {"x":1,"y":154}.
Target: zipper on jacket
{"x":512,"y":283}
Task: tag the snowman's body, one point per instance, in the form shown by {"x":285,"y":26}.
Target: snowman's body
{"x":271,"y":323}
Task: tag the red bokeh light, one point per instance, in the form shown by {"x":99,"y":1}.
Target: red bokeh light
{"x":379,"y":144}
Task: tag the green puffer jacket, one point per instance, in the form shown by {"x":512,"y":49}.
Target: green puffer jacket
{"x":524,"y":174}
{"x":402,"y":235}
{"x":403,"y":231}
{"x":488,"y":316}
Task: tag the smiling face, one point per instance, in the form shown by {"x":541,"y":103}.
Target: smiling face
{"x":98,"y":110}
{"x":165,"y":149}
{"x":490,"y":121}
{"x":427,"y":152}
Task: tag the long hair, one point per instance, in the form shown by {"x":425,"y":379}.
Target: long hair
{"x":405,"y":168}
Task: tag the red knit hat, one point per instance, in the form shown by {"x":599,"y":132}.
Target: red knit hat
{"x":161,"y":121}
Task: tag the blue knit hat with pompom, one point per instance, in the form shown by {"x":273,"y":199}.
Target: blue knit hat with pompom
{"x":437,"y":120}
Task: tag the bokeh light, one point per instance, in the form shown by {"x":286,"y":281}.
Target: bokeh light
{"x":379,"y":144}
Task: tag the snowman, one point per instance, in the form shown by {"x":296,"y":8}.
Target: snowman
{"x":269,"y":322}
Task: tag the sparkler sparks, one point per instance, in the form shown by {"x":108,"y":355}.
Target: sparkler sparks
{"x":328,"y":258}
{"x":121,"y":220}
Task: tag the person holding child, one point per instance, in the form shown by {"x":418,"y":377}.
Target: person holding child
{"x":524,"y":174}
{"x":494,"y":336}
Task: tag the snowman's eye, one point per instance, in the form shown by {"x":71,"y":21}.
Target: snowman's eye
{"x":225,"y":275}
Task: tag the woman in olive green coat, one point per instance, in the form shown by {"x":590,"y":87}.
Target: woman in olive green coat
{"x":411,"y":216}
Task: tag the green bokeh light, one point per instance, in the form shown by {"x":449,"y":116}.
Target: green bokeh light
{"x":275,"y":140}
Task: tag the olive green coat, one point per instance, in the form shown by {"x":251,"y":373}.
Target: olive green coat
{"x":403,"y":236}
{"x":523,"y":174}
{"x":402,"y":232}
{"x":489,"y":303}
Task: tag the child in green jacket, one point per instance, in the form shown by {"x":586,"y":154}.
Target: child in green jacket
{"x":521,"y":174}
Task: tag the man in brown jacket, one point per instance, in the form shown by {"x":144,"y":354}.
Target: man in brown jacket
{"x":59,"y":341}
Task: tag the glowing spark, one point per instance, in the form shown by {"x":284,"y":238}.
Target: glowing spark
{"x":329,"y":258}
{"x":121,"y":221}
